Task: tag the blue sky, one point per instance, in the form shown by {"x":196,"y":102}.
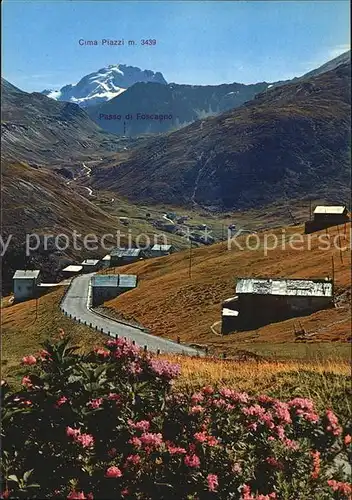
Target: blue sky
{"x":197,"y":42}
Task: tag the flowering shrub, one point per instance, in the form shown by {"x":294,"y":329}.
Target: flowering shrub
{"x":108,"y":424}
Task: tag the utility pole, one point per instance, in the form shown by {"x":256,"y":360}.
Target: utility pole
{"x":36,"y":304}
{"x":333,"y":279}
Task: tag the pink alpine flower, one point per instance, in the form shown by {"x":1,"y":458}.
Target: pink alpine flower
{"x":29,"y":360}
{"x":201,"y":437}
{"x":86,"y":440}
{"x":76,"y":495}
{"x":265,"y":399}
{"x":290,"y":444}
{"x":114,"y":397}
{"x":282,"y":412}
{"x":44,"y":355}
{"x":280,"y":431}
{"x":133,"y":459}
{"x":27,"y":382}
{"x":316,"y":464}
{"x":61,"y":401}
{"x":267,"y":420}
{"x":135,"y":368}
{"x":104,"y":353}
{"x":208,"y":390}
{"x":164,"y":369}
{"x":253,"y":426}
{"x":254,"y":411}
{"x":175,"y":450}
{"x":347,"y":439}
{"x":333,"y":421}
{"x":273,"y":462}
{"x":196,"y":409}
{"x":113,"y":472}
{"x":150,"y":439}
{"x":301,"y":404}
{"x":344,"y":488}
{"x":135,"y":441}
{"x":142,"y":425}
{"x":240,"y":397}
{"x":213,"y":482}
{"x":70,"y":432}
{"x":212,"y":441}
{"x":192,"y":461}
{"x":95,"y":403}
{"x":197,"y":397}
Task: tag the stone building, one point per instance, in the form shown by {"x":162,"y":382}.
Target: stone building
{"x":325,"y":216}
{"x":260,"y":301}
{"x":25,"y":284}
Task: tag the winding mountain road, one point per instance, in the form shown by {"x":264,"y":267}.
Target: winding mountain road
{"x":77,"y":304}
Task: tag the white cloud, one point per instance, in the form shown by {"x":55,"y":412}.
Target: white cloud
{"x":338,"y":49}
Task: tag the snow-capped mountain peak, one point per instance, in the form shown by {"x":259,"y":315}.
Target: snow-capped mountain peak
{"x":104,"y":84}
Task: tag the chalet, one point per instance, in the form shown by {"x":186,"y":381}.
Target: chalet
{"x":161,"y":250}
{"x":106,"y":261}
{"x":260,"y":301}
{"x":122,"y":256}
{"x":72,"y":270}
{"x":107,"y":286}
{"x":90,"y":265}
{"x":325,"y":216}
{"x":25,"y":284}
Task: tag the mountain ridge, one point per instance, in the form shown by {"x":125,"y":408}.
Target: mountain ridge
{"x":290,"y":141}
{"x":37,"y":129}
{"x":104,"y":84}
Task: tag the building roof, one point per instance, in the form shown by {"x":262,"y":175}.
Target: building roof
{"x":73,"y":269}
{"x":21,"y":274}
{"x":105,"y":280}
{"x":125,"y":252}
{"x":114,"y":280}
{"x":90,"y":262}
{"x":128,"y":281}
{"x":291,"y":287}
{"x":229,"y":312}
{"x":161,"y":248}
{"x":107,"y":257}
{"x":335,"y":210}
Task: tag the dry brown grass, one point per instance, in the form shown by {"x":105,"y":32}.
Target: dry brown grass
{"x":248,"y":375}
{"x":327,"y":383}
{"x":171,"y":303}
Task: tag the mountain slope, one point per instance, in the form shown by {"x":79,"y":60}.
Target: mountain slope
{"x":38,"y":129}
{"x":104,"y":84}
{"x":180,"y":105}
{"x":173,"y":303}
{"x":289,"y":142}
{"x":344,"y":58}
{"x":37,"y":201}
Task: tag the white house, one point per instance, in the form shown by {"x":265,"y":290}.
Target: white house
{"x":24,"y":284}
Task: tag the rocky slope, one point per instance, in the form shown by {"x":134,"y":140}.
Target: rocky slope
{"x":289,"y":142}
{"x":154,"y":108}
{"x":104,"y":84}
{"x":40,"y":130}
{"x":173,"y":106}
